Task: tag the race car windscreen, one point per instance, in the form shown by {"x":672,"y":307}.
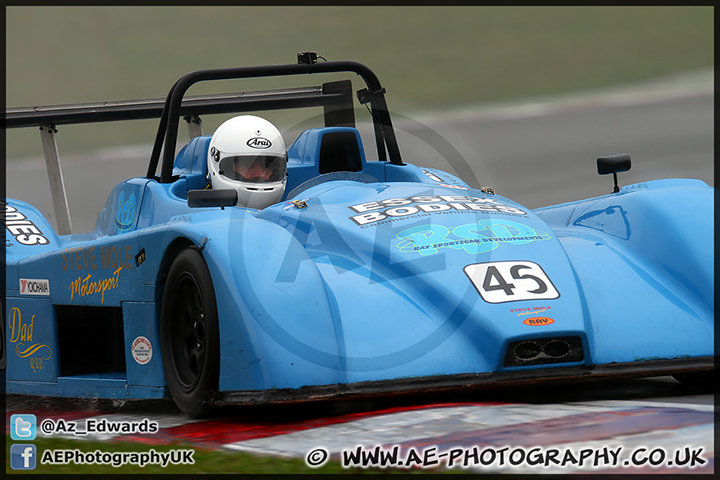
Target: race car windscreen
{"x":254,"y":168}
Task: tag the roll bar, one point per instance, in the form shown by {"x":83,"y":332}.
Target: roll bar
{"x":374,"y":94}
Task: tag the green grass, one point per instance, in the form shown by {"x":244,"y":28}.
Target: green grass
{"x":427,"y":57}
{"x":205,"y":461}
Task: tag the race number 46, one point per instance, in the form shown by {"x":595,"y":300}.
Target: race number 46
{"x":500,"y":282}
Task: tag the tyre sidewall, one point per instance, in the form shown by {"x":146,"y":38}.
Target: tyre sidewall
{"x":196,"y":402}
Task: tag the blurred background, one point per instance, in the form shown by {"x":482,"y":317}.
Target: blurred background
{"x":468,"y":73}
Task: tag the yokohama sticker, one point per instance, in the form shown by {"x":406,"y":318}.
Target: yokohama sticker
{"x":32,"y":286}
{"x":141,"y":350}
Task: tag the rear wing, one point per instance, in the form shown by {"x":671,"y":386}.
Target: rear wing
{"x":336,"y":98}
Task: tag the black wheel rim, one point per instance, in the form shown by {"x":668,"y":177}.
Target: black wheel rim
{"x":188,"y":335}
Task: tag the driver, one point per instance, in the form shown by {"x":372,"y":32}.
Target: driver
{"x":247,"y":154}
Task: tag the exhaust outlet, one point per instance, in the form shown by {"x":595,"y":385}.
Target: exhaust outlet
{"x":541,"y":351}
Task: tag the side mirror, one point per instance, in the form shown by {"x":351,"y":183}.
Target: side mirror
{"x":212,"y":198}
{"x":614,"y":164}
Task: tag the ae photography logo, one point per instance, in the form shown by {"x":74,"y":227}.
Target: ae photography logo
{"x":489,"y":458}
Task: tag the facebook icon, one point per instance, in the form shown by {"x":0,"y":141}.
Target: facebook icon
{"x":22,"y":457}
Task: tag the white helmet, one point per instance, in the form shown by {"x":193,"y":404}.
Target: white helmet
{"x":247,"y":154}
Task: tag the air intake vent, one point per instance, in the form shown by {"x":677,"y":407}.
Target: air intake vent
{"x":541,"y":351}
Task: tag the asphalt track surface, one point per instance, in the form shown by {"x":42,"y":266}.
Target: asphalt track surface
{"x":538,"y":154}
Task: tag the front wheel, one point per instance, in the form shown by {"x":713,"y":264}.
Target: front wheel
{"x":189,"y":335}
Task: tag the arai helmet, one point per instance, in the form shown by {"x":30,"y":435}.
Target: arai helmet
{"x":247,"y":154}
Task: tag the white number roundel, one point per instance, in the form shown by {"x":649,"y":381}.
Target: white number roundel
{"x":500,"y":282}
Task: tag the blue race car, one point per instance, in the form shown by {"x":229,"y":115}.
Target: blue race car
{"x":367,"y":278}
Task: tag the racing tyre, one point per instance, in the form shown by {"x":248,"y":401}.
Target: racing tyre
{"x":189,"y":335}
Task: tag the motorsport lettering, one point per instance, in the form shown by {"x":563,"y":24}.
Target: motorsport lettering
{"x":372,"y":212}
{"x":84,"y":287}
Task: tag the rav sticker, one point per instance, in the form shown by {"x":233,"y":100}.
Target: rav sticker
{"x":538,"y":321}
{"x":511,"y":281}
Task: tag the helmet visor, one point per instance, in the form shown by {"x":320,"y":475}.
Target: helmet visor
{"x":254,"y":168}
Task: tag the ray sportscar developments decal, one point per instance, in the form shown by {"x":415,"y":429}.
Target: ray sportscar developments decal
{"x":474,"y":238}
{"x":500,"y":282}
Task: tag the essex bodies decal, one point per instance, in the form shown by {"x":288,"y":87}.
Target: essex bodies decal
{"x":383,"y":211}
{"x":475,"y":238}
{"x":20,"y":227}
{"x":20,"y":334}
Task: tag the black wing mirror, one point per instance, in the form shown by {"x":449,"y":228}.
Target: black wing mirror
{"x":212,"y":198}
{"x":614,"y":164}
